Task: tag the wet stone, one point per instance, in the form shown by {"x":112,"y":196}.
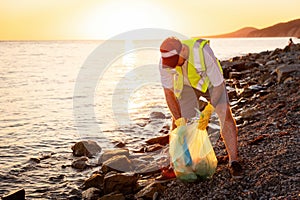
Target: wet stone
{"x":162,"y":140}
{"x":150,"y":191}
{"x":91,"y":194}
{"x":113,"y":196}
{"x":119,"y":163}
{"x":123,"y":182}
{"x":80,"y":163}
{"x":157,"y":115}
{"x":96,"y":181}
{"x":86,"y":148}
{"x":108,"y":154}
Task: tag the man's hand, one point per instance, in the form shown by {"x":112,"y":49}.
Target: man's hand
{"x":205,"y":115}
{"x":180,"y":122}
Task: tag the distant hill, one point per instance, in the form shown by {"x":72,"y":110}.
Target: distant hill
{"x":287,"y":29}
{"x":244,"y":32}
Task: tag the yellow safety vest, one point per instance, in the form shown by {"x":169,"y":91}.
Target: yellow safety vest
{"x":196,"y":68}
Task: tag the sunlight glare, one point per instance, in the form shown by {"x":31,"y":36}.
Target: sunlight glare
{"x":114,"y":18}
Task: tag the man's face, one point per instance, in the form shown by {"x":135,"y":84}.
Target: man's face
{"x":183,"y":56}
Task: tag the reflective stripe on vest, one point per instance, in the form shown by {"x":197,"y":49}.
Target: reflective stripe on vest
{"x":196,"y":68}
{"x":178,"y":82}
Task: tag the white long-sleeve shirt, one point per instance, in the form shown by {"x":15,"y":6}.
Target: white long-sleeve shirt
{"x":212,"y":71}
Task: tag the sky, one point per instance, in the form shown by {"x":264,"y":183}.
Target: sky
{"x":103,"y":19}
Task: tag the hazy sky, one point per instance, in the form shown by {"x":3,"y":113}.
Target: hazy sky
{"x":102,"y":19}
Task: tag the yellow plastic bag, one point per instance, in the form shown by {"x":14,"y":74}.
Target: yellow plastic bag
{"x":191,"y":152}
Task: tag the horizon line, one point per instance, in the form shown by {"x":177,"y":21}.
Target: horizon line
{"x":49,"y":40}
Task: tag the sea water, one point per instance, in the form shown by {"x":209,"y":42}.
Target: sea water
{"x":53,"y":92}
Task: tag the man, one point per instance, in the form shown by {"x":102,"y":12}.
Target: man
{"x":189,"y":70}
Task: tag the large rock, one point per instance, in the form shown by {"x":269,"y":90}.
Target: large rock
{"x":113,"y":196}
{"x":144,"y":167}
{"x":123,"y":182}
{"x":86,"y":148}
{"x":15,"y":195}
{"x":80,"y":163}
{"x":149,"y":191}
{"x":112,"y":153}
{"x":283,"y":71}
{"x":119,"y":163}
{"x":96,"y":181}
{"x":91,"y":194}
{"x":157,"y":115}
{"x":162,"y":140}
{"x":154,"y":147}
{"x":148,"y":169}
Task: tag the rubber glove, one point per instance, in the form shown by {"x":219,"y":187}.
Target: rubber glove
{"x":205,"y":115}
{"x":180,"y":122}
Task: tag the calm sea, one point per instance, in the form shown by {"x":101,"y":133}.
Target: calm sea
{"x":55,"y":93}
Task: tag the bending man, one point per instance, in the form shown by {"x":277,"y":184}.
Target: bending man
{"x":189,"y":70}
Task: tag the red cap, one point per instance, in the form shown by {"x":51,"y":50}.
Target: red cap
{"x":170,"y":50}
